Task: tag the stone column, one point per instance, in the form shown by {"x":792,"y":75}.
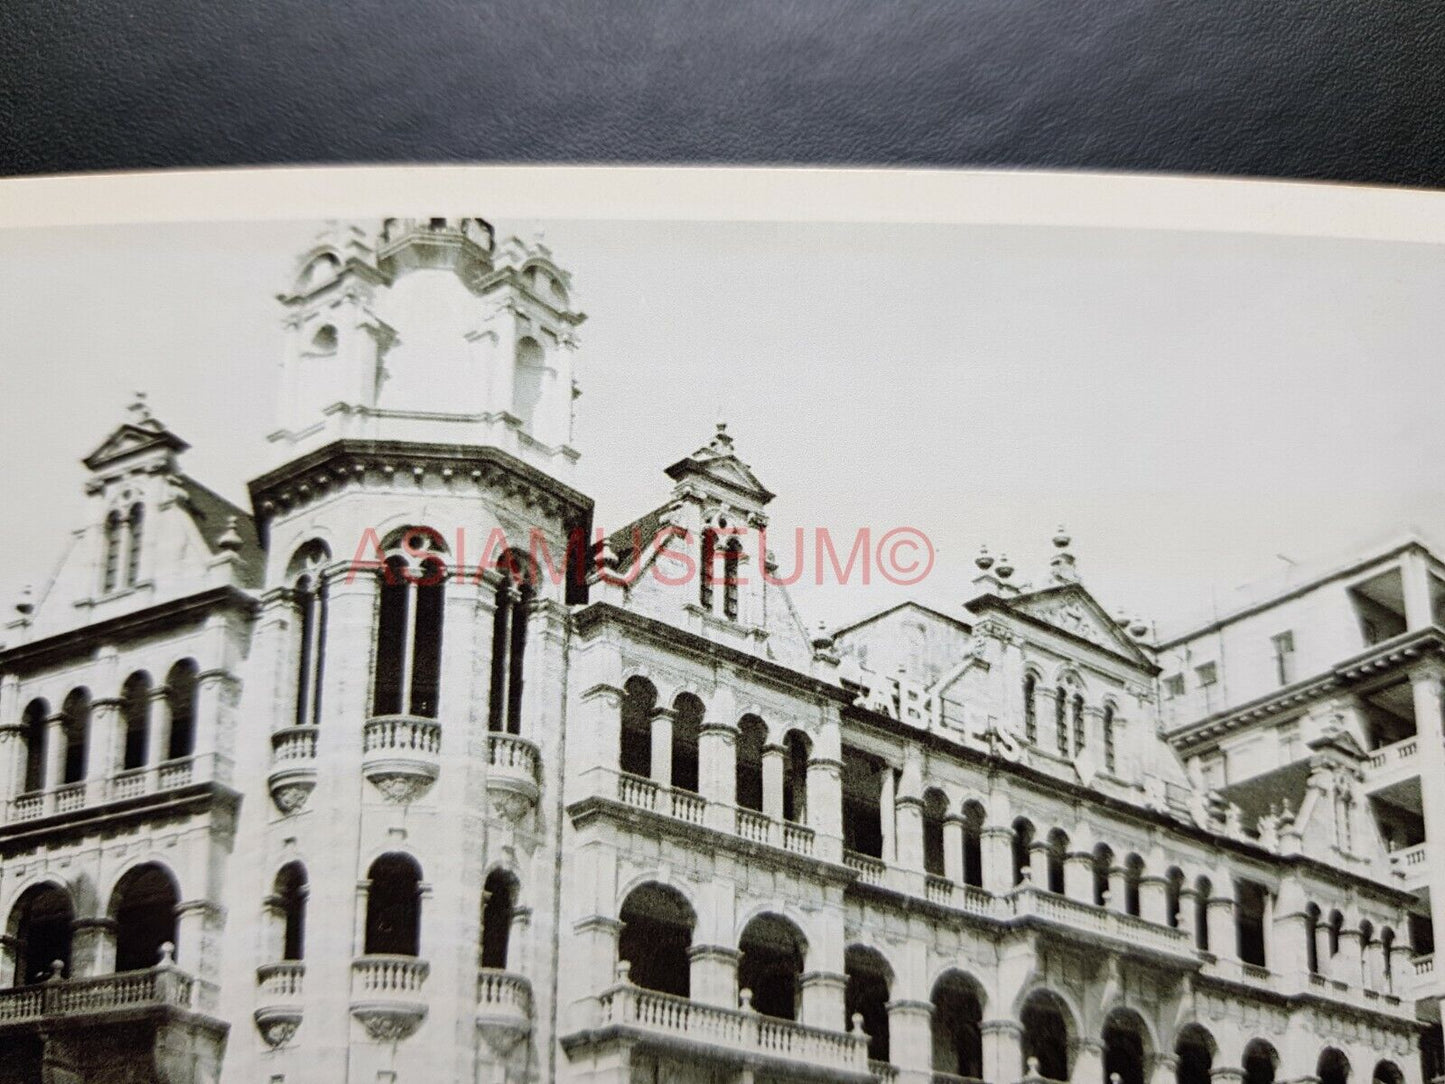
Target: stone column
{"x":1287,"y":945}
{"x":774,"y":760}
{"x":1322,"y":946}
{"x":887,"y":815}
{"x":910,"y":1035}
{"x":996,"y":850}
{"x":953,"y":847}
{"x":1078,"y":877}
{"x":194,"y":919}
{"x":92,"y":947}
{"x":597,"y":754}
{"x":1002,"y":1042}
{"x":1226,"y":1075}
{"x":908,"y":820}
{"x":55,"y":747}
{"x":1154,"y":900}
{"x":717,"y":756}
{"x":1346,"y":967}
{"x":1374,"y":966}
{"x":1402,"y":965}
{"x":595,"y":942}
{"x":12,"y":741}
{"x":823,"y":1001}
{"x":158,"y":731}
{"x":1161,"y":1069}
{"x":1223,"y":942}
{"x":662,"y":746}
{"x":101,"y":758}
{"x":1118,"y":889}
{"x":1088,"y":1062}
{"x":825,"y":806}
{"x":713,"y":975}
{"x":9,"y":954}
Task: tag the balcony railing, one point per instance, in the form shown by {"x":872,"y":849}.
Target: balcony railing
{"x":401,"y":755}
{"x":647,"y":794}
{"x":386,"y":975}
{"x":386,"y":995}
{"x":281,"y":981}
{"x":155,"y":987}
{"x":1400,"y":752}
{"x":1031,"y":900}
{"x":120,"y":786}
{"x":871,"y":871}
{"x":293,"y":745}
{"x":513,"y":755}
{"x":740,"y":1031}
{"x":503,"y":997}
{"x":797,"y":838}
{"x":754,"y":826}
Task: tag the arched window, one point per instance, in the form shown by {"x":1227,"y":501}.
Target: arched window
{"x":797,"y":750}
{"x":1312,"y":948}
{"x":77,"y":734}
{"x":639,"y":701}
{"x":135,"y":524}
{"x":1047,"y":1034}
{"x":1387,"y":1072}
{"x":1387,"y":947}
{"x":1173,"y":896}
{"x":393,"y":907}
{"x":1031,"y":717}
{"x":1367,"y":938}
{"x":686,"y":729}
{"x":1337,"y":926}
{"x":143,"y":907}
{"x":34,"y":724}
{"x":935,"y":808}
{"x":40,"y":926}
{"x":1260,"y":1062}
{"x":973,"y":818}
{"x":309,"y":594}
{"x":1058,"y":855}
{"x":1061,"y":721}
{"x":1203,"y":891}
{"x":1023,"y":842}
{"x":732,"y":563}
{"x":1133,"y":876}
{"x":409,"y":627}
{"x":288,"y":904}
{"x":1080,"y":734}
{"x":499,"y":905}
{"x":324,"y":341}
{"x":181,"y":701}
{"x":110,"y":577}
{"x":1111,"y":754}
{"x":509,"y":641}
{"x":1333,"y":1067}
{"x":530,"y":380}
{"x":866,"y":994}
{"x":657,"y":925}
{"x":708,"y":568}
{"x":1102,"y":866}
{"x":957,"y":1016}
{"x":135,"y":712}
{"x":1125,"y":1045}
{"x":771,"y":965}
{"x":752,"y":735}
{"x":1195,"y":1049}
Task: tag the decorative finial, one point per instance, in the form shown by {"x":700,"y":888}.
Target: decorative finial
{"x":984,"y":560}
{"x":230,"y":539}
{"x":1063,"y":560}
{"x":721,"y":442}
{"x":25,"y":605}
{"x":140,"y":410}
{"x":1004,"y":569}
{"x":1061,"y":538}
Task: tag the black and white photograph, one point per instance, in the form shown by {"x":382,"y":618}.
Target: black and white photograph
{"x":647,"y":626}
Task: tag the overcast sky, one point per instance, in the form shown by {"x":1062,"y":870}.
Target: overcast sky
{"x":1198,"y":409}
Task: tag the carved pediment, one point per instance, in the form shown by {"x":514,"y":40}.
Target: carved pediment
{"x":1073,"y":610}
{"x":130,"y":440}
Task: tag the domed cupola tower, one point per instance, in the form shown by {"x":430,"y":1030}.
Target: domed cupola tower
{"x":430,"y":329}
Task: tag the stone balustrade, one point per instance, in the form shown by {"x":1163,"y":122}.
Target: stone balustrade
{"x":155,"y":987}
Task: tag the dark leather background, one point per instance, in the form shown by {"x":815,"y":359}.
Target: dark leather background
{"x":1331,"y":89}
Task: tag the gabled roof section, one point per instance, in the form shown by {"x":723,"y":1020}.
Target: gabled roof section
{"x":139,"y":434}
{"x":907,"y":604}
{"x":718,"y":463}
{"x":224,"y":526}
{"x":1071,"y":609}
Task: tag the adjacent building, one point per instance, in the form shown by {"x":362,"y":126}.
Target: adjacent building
{"x":405,"y":773}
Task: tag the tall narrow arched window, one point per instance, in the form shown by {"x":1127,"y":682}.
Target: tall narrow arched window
{"x":143,"y":908}
{"x":866,"y":995}
{"x":409,"y":628}
{"x":748,"y":773}
{"x":393,"y":907}
{"x":656,"y":934}
{"x":512,"y":606}
{"x":687,"y":716}
{"x":135,"y":712}
{"x":1111,"y":753}
{"x":110,"y":577}
{"x":531,"y":378}
{"x":1337,"y":925}
{"x":1061,"y":721}
{"x":1031,"y":717}
{"x":1080,"y":731}
{"x":1203,"y":890}
{"x":1023,"y":842}
{"x":1133,"y":877}
{"x":634,"y":755}
{"x":797,"y":750}
{"x":1103,"y":865}
{"x":973,"y":818}
{"x":1058,"y":854}
{"x":135,"y":525}
{"x":289,"y":905}
{"x":77,"y":734}
{"x":181,"y":701}
{"x":1173,"y":896}
{"x":499,"y":905}
{"x":935,"y":808}
{"x":732,"y":563}
{"x":708,"y":568}
{"x":309,"y":596}
{"x":34,"y":724}
{"x":40,"y":926}
{"x":1387,"y":946}
{"x":1312,"y":948}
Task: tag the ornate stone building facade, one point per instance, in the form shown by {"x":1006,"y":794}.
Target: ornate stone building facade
{"x":400,"y":777}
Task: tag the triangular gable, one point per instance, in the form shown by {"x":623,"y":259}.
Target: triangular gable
{"x":1070,"y":608}
{"x":716,"y":462}
{"x":130,"y":440}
